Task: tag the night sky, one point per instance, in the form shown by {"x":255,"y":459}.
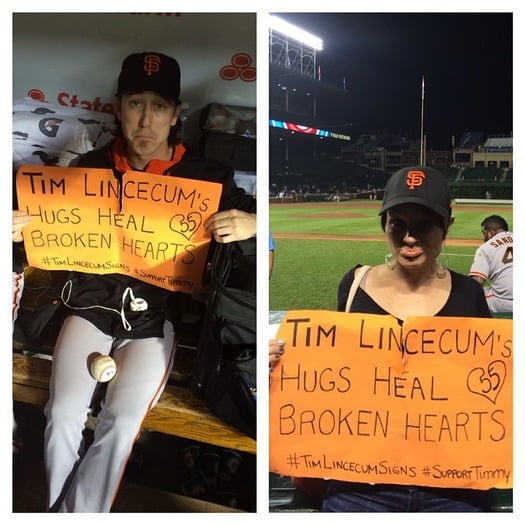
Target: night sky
{"x":466,"y":59}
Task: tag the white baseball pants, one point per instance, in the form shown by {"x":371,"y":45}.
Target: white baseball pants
{"x":88,"y":480}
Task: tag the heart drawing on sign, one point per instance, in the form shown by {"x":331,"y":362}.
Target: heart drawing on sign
{"x":487,"y":382}
{"x":186,"y":225}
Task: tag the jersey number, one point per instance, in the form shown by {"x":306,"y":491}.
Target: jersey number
{"x":507,"y":256}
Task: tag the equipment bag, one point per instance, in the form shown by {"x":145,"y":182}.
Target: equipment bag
{"x":224,"y":371}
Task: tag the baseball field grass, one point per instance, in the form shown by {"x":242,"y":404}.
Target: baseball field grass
{"x":316,"y":243}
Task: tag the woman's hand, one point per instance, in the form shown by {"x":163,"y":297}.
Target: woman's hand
{"x":276,"y":351}
{"x":20,"y":220}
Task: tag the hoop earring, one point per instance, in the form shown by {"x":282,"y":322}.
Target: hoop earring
{"x":389,"y":261}
{"x":442,"y":263}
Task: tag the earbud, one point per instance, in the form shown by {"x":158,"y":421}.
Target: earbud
{"x":138,"y":305}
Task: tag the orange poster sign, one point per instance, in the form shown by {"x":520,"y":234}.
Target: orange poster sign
{"x":359,"y":397}
{"x":149,"y":227}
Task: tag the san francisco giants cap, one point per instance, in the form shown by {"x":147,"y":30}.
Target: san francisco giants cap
{"x":150,"y":71}
{"x":418,"y":185}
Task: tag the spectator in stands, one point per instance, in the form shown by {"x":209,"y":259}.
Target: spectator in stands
{"x":416,"y":217}
{"x":102,"y":318}
{"x":276,"y":346}
{"x":492,"y":263}
{"x":272,"y":255}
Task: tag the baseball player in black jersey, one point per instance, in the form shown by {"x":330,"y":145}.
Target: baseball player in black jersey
{"x":105,"y":315}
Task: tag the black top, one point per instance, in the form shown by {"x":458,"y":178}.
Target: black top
{"x":94,"y":290}
{"x":466,"y":298}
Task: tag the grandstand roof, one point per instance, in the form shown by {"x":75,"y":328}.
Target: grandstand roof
{"x":498,"y":142}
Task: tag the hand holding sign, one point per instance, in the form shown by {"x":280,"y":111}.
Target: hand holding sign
{"x":231,"y":225}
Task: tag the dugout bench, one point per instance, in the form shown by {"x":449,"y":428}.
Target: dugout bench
{"x":178,"y":412}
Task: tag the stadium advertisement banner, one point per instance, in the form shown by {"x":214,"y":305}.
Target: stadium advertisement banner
{"x":307,"y":130}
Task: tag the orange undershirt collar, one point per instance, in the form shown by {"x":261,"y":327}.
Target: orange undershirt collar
{"x":156,"y":166}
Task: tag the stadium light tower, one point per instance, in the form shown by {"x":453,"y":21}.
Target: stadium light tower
{"x":292,"y":47}
{"x":302,"y":36}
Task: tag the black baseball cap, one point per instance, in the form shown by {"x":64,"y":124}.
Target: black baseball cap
{"x":150,"y":71}
{"x":418,"y":185}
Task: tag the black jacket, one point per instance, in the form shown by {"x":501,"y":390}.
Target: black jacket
{"x":96,"y":294}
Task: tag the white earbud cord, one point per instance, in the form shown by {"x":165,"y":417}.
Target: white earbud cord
{"x":127,"y":291}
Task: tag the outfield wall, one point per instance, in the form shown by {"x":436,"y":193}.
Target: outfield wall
{"x":324,"y":197}
{"x":483,"y":201}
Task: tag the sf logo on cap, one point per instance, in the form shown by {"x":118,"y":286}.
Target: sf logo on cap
{"x":151,"y":64}
{"x":415,"y":178}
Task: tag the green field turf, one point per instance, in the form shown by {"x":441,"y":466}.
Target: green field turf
{"x":307,"y":271}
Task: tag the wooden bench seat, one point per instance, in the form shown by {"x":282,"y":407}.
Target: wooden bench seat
{"x":178,"y":412}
